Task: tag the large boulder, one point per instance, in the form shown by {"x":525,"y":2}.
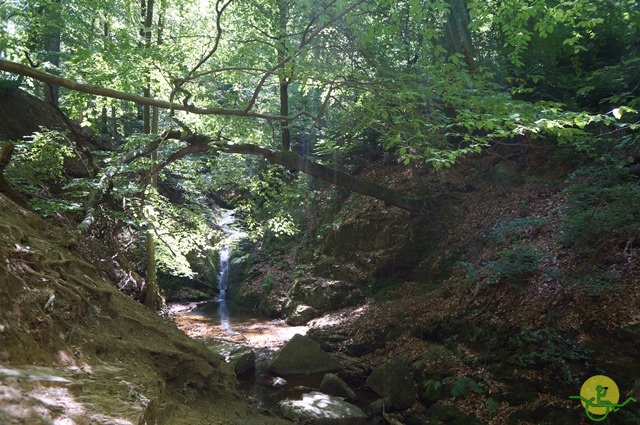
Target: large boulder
{"x":322,"y":409}
{"x":302,"y":356}
{"x":393,"y":380}
{"x":324,"y":294}
{"x":332,"y":384}
{"x":301,"y":315}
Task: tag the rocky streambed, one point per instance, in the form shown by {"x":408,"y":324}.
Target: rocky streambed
{"x":280,"y":369}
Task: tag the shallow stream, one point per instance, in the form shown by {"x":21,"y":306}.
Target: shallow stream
{"x":265,"y":336}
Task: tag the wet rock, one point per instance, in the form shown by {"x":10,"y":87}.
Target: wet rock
{"x":322,"y":409}
{"x":278,"y":382}
{"x":332,"y":384}
{"x":393,"y":380}
{"x":242,"y":357}
{"x":302,"y":355}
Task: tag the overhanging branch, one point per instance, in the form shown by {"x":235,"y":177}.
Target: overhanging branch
{"x":331,"y":175}
{"x":19,"y":69}
{"x":200,"y":144}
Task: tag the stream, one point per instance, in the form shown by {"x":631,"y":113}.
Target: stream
{"x":223,"y":321}
{"x":264,"y":336}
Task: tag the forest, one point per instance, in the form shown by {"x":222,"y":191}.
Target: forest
{"x":439,"y":196}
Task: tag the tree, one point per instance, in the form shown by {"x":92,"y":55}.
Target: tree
{"x":414,"y":73}
{"x":426,"y":81}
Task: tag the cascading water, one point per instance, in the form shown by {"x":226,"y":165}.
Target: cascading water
{"x":223,"y":275}
{"x":230,"y":236}
{"x":223,"y":285}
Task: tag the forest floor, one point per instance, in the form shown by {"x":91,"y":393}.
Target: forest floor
{"x":525,"y":339}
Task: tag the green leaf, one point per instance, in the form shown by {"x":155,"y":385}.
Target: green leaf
{"x":617,"y":113}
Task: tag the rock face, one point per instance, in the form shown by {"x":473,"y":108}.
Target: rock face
{"x":394,"y":381}
{"x":302,"y":355}
{"x":322,"y":409}
{"x":22,"y":114}
{"x":325,"y":294}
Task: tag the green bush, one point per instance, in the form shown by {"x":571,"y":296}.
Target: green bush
{"x":542,"y":348}
{"x":39,"y":158}
{"x":516,"y":229}
{"x":267,"y":283}
{"x":514,"y":266}
{"x":463,"y":387}
{"x":593,"y":279}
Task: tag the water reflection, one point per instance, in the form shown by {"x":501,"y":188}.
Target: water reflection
{"x":229,"y":321}
{"x":223,"y":312}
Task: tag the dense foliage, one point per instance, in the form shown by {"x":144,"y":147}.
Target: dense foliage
{"x":427,"y":81}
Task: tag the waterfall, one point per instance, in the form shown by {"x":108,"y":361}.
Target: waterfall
{"x":223,"y":274}
{"x":223,"y":285}
{"x":231,"y":235}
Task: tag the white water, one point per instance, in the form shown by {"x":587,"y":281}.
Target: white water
{"x":231,"y":235}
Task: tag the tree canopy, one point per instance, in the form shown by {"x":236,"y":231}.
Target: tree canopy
{"x":303,"y":83}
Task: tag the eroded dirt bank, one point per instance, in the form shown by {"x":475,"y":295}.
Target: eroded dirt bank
{"x":75,"y":350}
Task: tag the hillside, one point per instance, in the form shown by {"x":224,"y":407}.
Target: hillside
{"x":519,"y":285}
{"x":73,"y":349}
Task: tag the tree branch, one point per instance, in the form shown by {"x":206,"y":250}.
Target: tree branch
{"x":19,"y":69}
{"x":331,"y":175}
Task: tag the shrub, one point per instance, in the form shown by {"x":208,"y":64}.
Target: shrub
{"x":603,"y":206}
{"x":516,"y":229}
{"x":514,"y":266}
{"x":541,"y":348}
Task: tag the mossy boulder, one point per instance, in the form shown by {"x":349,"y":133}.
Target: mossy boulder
{"x":302,"y":356}
{"x":393,"y":380}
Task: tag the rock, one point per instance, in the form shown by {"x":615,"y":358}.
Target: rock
{"x":302,"y":355}
{"x":242,"y":357}
{"x":322,"y":409}
{"x":376,"y":407}
{"x":325,"y":294}
{"x":278,"y":382}
{"x":394,"y":381}
{"x":301,"y":315}
{"x":332,"y":384}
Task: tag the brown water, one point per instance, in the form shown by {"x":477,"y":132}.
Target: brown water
{"x":203,"y":320}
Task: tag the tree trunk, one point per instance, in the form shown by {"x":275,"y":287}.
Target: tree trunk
{"x":51,"y":45}
{"x":152,"y":294}
{"x":150,"y":126}
{"x":285,"y":132}
{"x":459,"y":34}
{"x":19,"y":69}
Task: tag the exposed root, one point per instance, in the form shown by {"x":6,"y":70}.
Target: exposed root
{"x":81,"y":302}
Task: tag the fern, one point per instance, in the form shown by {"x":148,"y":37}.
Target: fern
{"x":464,"y":385}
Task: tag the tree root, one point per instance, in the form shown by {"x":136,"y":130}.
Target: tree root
{"x":81,"y":302}
{"x":9,"y":229}
{"x":66,"y":261}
